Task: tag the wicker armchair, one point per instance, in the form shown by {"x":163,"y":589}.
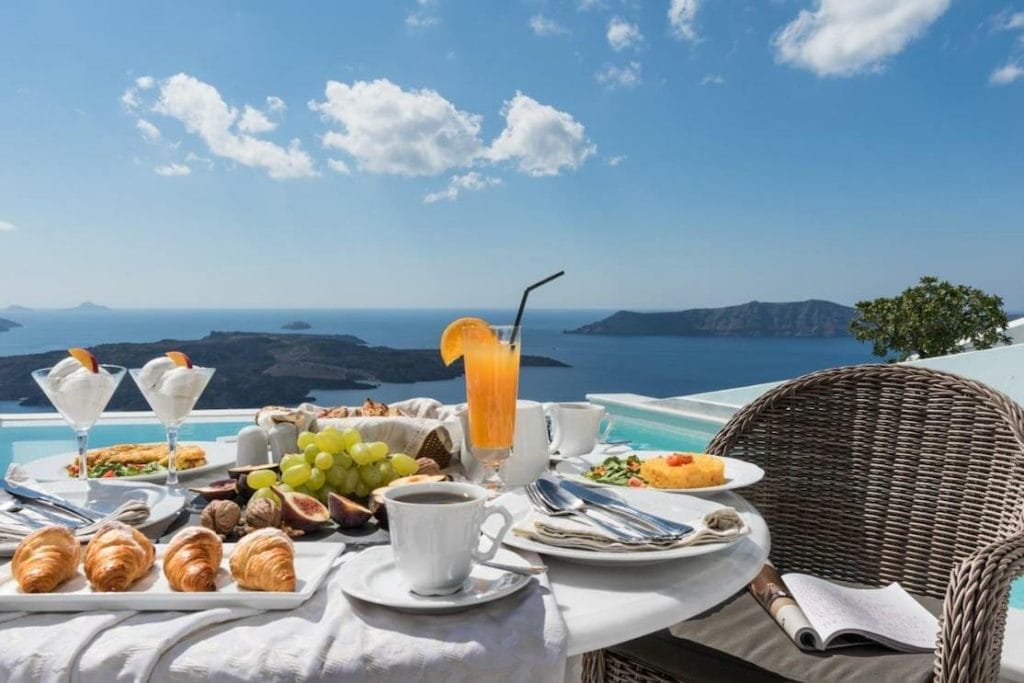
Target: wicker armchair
{"x":880,"y":473}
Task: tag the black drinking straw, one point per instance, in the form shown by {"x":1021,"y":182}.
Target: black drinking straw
{"x":522,"y":303}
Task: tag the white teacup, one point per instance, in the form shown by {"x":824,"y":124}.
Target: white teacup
{"x":435,"y":533}
{"x":576,"y":427}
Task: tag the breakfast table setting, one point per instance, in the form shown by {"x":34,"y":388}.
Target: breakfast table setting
{"x":499,"y":540}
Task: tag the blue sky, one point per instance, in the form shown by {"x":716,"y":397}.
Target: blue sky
{"x":441,"y":154}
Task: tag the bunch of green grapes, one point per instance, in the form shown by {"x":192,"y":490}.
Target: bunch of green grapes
{"x":340,"y":461}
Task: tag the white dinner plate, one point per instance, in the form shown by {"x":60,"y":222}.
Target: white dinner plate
{"x":373,"y":577}
{"x":51,"y":468}
{"x":685,"y":509}
{"x":152,"y":592}
{"x":738,"y":473}
{"x":106,"y":495}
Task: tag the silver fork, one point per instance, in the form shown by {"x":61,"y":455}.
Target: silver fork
{"x":545,"y":506}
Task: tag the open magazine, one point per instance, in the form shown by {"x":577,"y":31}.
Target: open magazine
{"x":818,"y":614}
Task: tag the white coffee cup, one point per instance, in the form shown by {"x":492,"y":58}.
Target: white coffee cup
{"x":437,"y":543}
{"x":575,"y":427}
{"x":529,"y":456}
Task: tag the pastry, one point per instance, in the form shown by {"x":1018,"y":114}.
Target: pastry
{"x":117,"y":556}
{"x":45,"y":559}
{"x":192,"y":560}
{"x":264,"y":561}
{"x":145,"y":453}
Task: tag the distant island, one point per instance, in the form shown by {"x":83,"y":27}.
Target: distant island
{"x":85,"y":306}
{"x":254,"y":369}
{"x":6,"y":324}
{"x":813,"y":318}
{"x":296,"y":325}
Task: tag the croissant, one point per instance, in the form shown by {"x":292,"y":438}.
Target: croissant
{"x":45,"y":559}
{"x":192,"y":560}
{"x":264,"y":560}
{"x":117,"y":556}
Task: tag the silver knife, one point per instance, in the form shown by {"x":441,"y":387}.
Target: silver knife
{"x":26,"y":493}
{"x":601,"y":500}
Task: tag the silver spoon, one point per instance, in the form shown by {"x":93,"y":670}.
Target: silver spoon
{"x":529,"y":570}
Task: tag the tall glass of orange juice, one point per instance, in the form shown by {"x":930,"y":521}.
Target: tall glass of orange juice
{"x":491,"y":355}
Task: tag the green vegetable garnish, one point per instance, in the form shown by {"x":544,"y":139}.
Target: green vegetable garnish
{"x":616,"y":471}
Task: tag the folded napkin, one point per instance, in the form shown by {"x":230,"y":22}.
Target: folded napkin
{"x":718,"y":526}
{"x":14,"y":526}
{"x":519,"y":638}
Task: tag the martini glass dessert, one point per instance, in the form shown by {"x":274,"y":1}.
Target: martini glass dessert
{"x":172,"y":385}
{"x":79,"y":388}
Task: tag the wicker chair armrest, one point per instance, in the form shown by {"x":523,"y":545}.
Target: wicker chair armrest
{"x":974,"y":612}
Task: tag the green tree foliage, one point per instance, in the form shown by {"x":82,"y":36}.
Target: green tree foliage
{"x":932,"y":318}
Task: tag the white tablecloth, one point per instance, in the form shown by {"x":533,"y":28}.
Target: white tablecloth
{"x":520,"y":638}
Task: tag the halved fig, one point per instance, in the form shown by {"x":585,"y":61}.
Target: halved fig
{"x":301,"y":511}
{"x":346,"y":513}
{"x":222,"y":489}
{"x":377,"y":506}
{"x":236,"y":472}
{"x":419,"y":479}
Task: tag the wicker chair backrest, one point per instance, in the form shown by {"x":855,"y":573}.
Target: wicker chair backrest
{"x":879,"y":473}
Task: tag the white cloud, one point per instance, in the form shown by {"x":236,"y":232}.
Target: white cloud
{"x":1006,"y":74}
{"x":1010,"y":22}
{"x":7,"y":227}
{"x":275,"y":105}
{"x":613,"y":77}
{"x":615,"y":160}
{"x":339,"y":166}
{"x":542,"y":26}
{"x":843,"y":38}
{"x":202,"y":110}
{"x":471,"y":181}
{"x":419,"y":20}
{"x":196,"y":159}
{"x":173,"y":170}
{"x":145,"y":82}
{"x":713,"y":79}
{"x":149,"y":132}
{"x":682,"y":17}
{"x":390,"y":130}
{"x":255,"y":121}
{"x":622,"y":34}
{"x":130,"y":99}
{"x":541,"y":139}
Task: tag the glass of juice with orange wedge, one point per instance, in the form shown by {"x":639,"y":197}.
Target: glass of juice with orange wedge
{"x":491,"y":356}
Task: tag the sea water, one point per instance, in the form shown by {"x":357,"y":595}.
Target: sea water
{"x":654,"y":366}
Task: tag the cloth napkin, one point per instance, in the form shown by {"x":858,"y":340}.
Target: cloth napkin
{"x":15,"y":526}
{"x":520,"y":638}
{"x":718,"y":526}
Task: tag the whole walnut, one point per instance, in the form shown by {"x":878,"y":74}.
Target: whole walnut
{"x":221,"y":516}
{"x":428,"y":466}
{"x":262,"y":512}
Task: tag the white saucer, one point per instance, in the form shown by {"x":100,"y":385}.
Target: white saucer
{"x":373,"y":577}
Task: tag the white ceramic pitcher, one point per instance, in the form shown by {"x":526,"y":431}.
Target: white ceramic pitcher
{"x":576,"y":427}
{"x":529,"y":448}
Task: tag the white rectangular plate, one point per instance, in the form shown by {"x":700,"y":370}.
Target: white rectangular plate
{"x":152,"y":593}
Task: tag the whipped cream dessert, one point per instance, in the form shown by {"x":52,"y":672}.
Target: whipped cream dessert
{"x":171,"y":389}
{"x":79,"y":393}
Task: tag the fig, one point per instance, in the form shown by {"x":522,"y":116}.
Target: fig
{"x":346,"y":513}
{"x":244,"y":490}
{"x":237,"y":472}
{"x":301,"y":511}
{"x":222,"y":489}
{"x":378,"y":508}
{"x":419,"y":479}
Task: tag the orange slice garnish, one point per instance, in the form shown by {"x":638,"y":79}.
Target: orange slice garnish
{"x":86,"y":358}
{"x":180,"y":359}
{"x":451,"y":338}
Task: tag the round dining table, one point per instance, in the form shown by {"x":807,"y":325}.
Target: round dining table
{"x":606,"y":605}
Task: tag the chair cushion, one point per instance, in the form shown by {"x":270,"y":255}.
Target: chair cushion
{"x":739,"y":641}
